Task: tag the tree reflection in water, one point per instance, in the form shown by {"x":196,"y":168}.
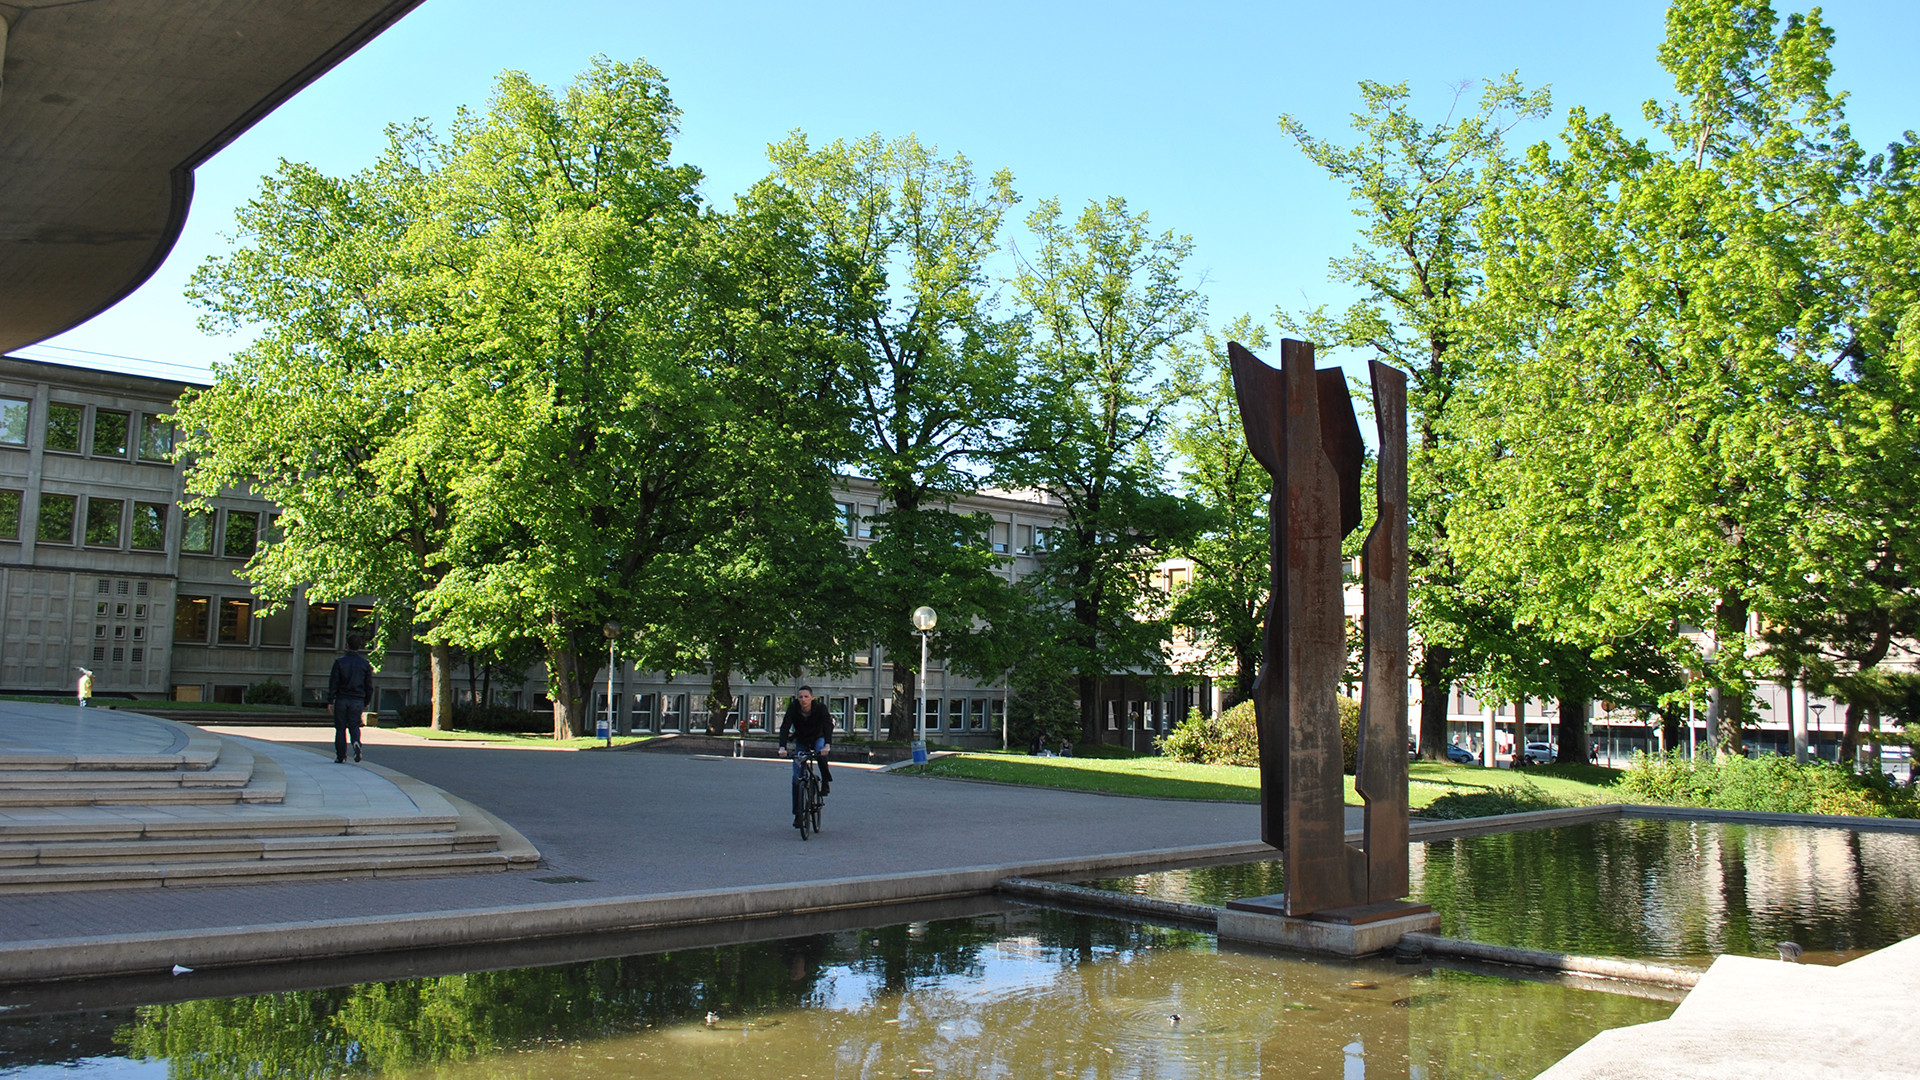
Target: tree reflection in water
{"x":1030,"y":992}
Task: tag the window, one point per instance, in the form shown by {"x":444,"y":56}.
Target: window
{"x":13,"y":421}
{"x":643,"y":711}
{"x":243,"y":531}
{"x":837,"y":708}
{"x":190,"y":620}
{"x":863,"y":714}
{"x":978,"y":714}
{"x":323,"y":626}
{"x":103,"y":521}
{"x":671,"y":711}
{"x":110,"y":433}
{"x":933,"y":714}
{"x":759,"y":707}
{"x":1042,"y":541}
{"x":149,"y":526}
{"x":845,"y":515}
{"x":156,"y":439}
{"x":957,"y":713}
{"x":997,"y":718}
{"x":139,"y":655}
{"x":56,"y":519}
{"x":864,"y":527}
{"x":9,"y":515}
{"x":360,"y":621}
{"x":1000,"y":531}
{"x":100,"y":630}
{"x":196,"y":532}
{"x":63,"y":427}
{"x":236,"y":621}
{"x":277,"y":629}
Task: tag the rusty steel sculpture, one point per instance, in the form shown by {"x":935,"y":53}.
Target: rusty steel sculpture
{"x":1300,"y":425}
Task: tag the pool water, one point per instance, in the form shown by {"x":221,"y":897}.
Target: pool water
{"x":1027,"y":992}
{"x":1641,"y":888}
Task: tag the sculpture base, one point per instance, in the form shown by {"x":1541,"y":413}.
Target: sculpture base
{"x":1352,"y":931}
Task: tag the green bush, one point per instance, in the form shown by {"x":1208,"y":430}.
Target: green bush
{"x":491,"y":718}
{"x":1770,"y":783}
{"x":1232,"y":738}
{"x":1515,"y":798}
{"x":267,"y":693}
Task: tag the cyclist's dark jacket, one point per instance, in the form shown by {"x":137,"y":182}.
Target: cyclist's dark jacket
{"x":815,"y":723}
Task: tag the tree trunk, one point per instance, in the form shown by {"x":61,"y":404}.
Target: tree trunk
{"x":440,"y":673}
{"x":567,"y":681}
{"x":1574,"y":744}
{"x":905,"y":702}
{"x":1724,"y":711}
{"x":719,"y":701}
{"x":1436,"y":685}
{"x":1850,"y":736}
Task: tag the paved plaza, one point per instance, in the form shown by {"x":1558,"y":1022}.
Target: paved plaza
{"x":695,"y":832}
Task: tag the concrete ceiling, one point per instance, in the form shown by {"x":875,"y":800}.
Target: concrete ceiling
{"x":106,"y":108}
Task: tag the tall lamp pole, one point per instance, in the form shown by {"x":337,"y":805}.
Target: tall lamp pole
{"x":924,"y":620}
{"x":1813,"y":736}
{"x":611,"y":628}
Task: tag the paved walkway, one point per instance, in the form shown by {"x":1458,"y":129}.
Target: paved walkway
{"x":649,"y":824}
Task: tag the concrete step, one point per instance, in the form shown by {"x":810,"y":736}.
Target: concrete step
{"x":239,"y":848}
{"x":193,"y":750}
{"x":263,"y":782}
{"x":233,"y":769}
{"x":39,"y":879}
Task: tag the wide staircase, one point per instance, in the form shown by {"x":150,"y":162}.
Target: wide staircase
{"x":99,"y":799}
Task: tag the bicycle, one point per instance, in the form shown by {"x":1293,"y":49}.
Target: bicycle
{"x":806,"y":793}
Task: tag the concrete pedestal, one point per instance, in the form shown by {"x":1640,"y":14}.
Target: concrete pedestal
{"x":1354,"y":931}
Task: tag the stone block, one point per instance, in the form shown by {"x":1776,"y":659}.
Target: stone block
{"x":1357,"y":931}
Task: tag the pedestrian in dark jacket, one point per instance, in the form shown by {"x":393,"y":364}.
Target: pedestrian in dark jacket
{"x":349,"y":688}
{"x":811,"y":726}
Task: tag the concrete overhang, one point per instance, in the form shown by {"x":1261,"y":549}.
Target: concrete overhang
{"x":107,"y":107}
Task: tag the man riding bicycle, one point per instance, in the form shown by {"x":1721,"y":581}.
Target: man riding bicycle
{"x":811,"y":726}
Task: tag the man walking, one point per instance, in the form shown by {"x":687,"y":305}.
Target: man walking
{"x":349,"y":688}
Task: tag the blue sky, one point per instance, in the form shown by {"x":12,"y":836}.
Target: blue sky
{"x":1171,"y":106}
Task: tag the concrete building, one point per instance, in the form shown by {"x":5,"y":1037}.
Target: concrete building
{"x":100,"y":569}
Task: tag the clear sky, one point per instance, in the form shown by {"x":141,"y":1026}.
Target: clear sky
{"x":1172,"y":106}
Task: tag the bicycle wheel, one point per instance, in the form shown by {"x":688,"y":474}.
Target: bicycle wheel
{"x":809,"y":803}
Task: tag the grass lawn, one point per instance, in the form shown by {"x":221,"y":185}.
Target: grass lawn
{"x":1159,"y":778}
{"x":500,"y":738}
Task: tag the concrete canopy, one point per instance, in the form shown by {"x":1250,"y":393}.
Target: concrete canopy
{"x":107,"y":107}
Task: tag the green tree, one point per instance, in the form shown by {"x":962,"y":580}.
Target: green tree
{"x":1109,"y":310}
{"x":1663,"y":324}
{"x":338,"y":410}
{"x":1223,"y":609}
{"x":932,"y":382}
{"x":1418,"y":190}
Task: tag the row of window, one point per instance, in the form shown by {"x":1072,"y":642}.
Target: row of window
{"x":102,"y":433}
{"x":230,"y":621}
{"x":763,"y":712}
{"x":108,"y":523}
{"x":857,"y":520}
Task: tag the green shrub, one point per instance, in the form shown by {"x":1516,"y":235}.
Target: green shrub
{"x":498,"y":719}
{"x":1770,"y":783}
{"x":1515,"y":798}
{"x":1232,"y":738}
{"x":267,"y":693}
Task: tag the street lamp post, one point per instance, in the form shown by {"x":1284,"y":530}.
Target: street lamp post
{"x":924,"y":620}
{"x":611,"y":628}
{"x":1813,"y":737}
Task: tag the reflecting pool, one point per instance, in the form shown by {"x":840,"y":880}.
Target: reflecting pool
{"x":1640,"y":887}
{"x":1021,"y":993}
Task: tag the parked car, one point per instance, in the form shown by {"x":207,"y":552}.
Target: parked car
{"x":1460,"y":755}
{"x":1539,"y":753}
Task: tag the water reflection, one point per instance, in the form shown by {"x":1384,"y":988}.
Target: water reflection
{"x":1030,"y":993}
{"x":1641,"y":888}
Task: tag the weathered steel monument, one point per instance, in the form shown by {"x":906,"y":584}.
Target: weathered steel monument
{"x":1300,"y":425}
